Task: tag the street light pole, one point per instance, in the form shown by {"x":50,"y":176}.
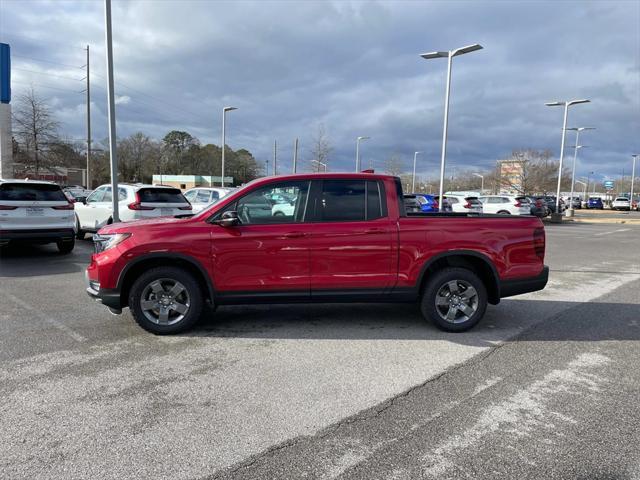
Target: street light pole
{"x":575,"y":157}
{"x":113,"y":151}
{"x":413,"y":180}
{"x":321,"y":164}
{"x":584,"y":193}
{"x":224,"y":115}
{"x":449,"y":55}
{"x":566,"y":105}
{"x":481,"y":182}
{"x":633,"y":175}
{"x":358,"y":140}
{"x":295,"y":155}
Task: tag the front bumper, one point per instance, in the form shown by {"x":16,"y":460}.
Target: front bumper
{"x":109,"y":298}
{"x":509,"y":288}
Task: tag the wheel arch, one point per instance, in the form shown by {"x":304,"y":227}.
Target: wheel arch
{"x":135,"y":268}
{"x":470,"y":259}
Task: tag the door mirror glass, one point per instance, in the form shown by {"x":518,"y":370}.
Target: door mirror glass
{"x":229,"y":219}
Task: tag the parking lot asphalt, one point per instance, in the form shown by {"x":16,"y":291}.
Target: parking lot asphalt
{"x":86,"y":394}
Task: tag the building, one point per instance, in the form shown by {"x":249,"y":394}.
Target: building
{"x":184,"y":182}
{"x":511,"y":175}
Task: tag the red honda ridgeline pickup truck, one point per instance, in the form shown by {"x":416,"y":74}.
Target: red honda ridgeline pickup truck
{"x":333,"y":237}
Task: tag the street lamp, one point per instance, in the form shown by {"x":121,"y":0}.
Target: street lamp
{"x":320,"y":164}
{"x":564,"y":128}
{"x":633,"y":175}
{"x":224,"y":115}
{"x":358,"y":151}
{"x":575,"y":157}
{"x":449,"y":56}
{"x":413,"y":180}
{"x":584,"y":194}
{"x":481,"y":182}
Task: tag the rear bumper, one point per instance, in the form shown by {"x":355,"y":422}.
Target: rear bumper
{"x":509,"y":288}
{"x":38,"y":235}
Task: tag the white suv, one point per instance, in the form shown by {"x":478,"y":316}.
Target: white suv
{"x":462,"y":204}
{"x":135,"y":202}
{"x":505,"y":205}
{"x":36,"y":212}
{"x":201,"y":197}
{"x":621,"y":203}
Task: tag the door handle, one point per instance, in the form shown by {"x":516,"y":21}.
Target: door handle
{"x":374,"y":230}
{"x":295,"y":235}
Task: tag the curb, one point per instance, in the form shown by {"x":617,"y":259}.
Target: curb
{"x":612,"y":221}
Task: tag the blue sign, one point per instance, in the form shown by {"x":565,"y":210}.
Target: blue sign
{"x":5,"y":73}
{"x":608,"y":184}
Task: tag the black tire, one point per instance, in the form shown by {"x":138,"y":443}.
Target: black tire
{"x":193,"y":300}
{"x":504,"y":212}
{"x":66,"y":246}
{"x":439,"y":284}
{"x":278,"y":214}
{"x":79,"y":232}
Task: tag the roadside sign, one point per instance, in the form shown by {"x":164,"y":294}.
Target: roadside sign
{"x":608,"y":184}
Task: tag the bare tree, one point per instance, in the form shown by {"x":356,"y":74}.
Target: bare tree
{"x":321,"y":149}
{"x":393,"y":165}
{"x":36,"y":128}
{"x":529,"y":171}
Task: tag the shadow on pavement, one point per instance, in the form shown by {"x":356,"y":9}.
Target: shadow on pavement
{"x":37,"y":260}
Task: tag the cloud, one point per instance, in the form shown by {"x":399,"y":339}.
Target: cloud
{"x":122,"y":99}
{"x":354,"y":67}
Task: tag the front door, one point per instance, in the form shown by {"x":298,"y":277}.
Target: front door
{"x":353,"y":245}
{"x":268,"y":253}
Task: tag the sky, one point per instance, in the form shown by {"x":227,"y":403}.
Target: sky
{"x":353,"y":67}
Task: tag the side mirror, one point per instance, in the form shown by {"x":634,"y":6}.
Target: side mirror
{"x":83,"y":200}
{"x":229,"y":219}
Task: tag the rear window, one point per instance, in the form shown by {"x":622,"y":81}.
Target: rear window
{"x":473,"y":200}
{"x":523,"y":200}
{"x":161,"y":195}
{"x":20,"y":192}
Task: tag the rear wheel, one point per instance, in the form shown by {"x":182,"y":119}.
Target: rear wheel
{"x":454,"y":299}
{"x":66,"y":246}
{"x":79,"y":232}
{"x":166,"y":300}
{"x":504,"y":212}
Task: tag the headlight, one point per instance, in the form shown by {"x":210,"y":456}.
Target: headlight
{"x":104,"y":242}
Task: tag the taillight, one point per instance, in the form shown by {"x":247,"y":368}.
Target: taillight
{"x":188,"y":207}
{"x":436,"y":205}
{"x":137,"y":205}
{"x":7,"y":207}
{"x":68,"y":206}
{"x":467,"y":205}
{"x":539,"y":242}
{"x":517,"y":204}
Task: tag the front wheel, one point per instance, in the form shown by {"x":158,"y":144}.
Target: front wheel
{"x":166,"y":300}
{"x":454,"y":299}
{"x":504,"y":212}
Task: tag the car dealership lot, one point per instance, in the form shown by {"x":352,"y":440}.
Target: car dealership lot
{"x":87,"y":394}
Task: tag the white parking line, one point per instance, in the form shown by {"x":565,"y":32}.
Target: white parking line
{"x":60,"y":326}
{"x":612,"y":231}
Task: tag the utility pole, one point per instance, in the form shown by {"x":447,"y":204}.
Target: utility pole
{"x":275,"y":157}
{"x":112,"y":114}
{"x":295,"y":155}
{"x":88,"y":177}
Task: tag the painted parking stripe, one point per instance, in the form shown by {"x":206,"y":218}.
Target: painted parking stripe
{"x":612,"y":231}
{"x":52,"y":321}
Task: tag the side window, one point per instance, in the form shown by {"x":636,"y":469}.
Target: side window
{"x":203,"y":196}
{"x":375,"y":203}
{"x":452,"y":200}
{"x":215,"y":196}
{"x":122,"y":194}
{"x":107,"y":195}
{"x":284,"y":202}
{"x":96,"y":196}
{"x":342,"y":201}
{"x":505,"y":200}
{"x":191,"y":195}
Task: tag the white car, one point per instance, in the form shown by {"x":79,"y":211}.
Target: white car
{"x":36,"y":212}
{"x":621,"y":203}
{"x":201,"y":197}
{"x":135,"y":202}
{"x":462,"y":204}
{"x":505,"y":205}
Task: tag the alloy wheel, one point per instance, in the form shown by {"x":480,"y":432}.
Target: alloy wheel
{"x":456,"y":301}
{"x":165,"y":301}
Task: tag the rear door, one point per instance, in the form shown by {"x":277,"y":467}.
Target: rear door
{"x":353,"y":244}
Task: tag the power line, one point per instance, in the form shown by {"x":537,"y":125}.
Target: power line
{"x":45,"y":86}
{"x":48,"y":74}
{"x":46,"y":61}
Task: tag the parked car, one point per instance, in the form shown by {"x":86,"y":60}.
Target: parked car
{"x":135,"y":202}
{"x":427,"y":202}
{"x":201,"y":197}
{"x":412,"y":204}
{"x":462,"y":204}
{"x":595,"y":202}
{"x":574,"y":203}
{"x":538,"y":207}
{"x":446,"y":206}
{"x":36,"y":212}
{"x":550,"y":202}
{"x":621,"y":203}
{"x":348,"y":240}
{"x":505,"y":205}
{"x":77,"y":194}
